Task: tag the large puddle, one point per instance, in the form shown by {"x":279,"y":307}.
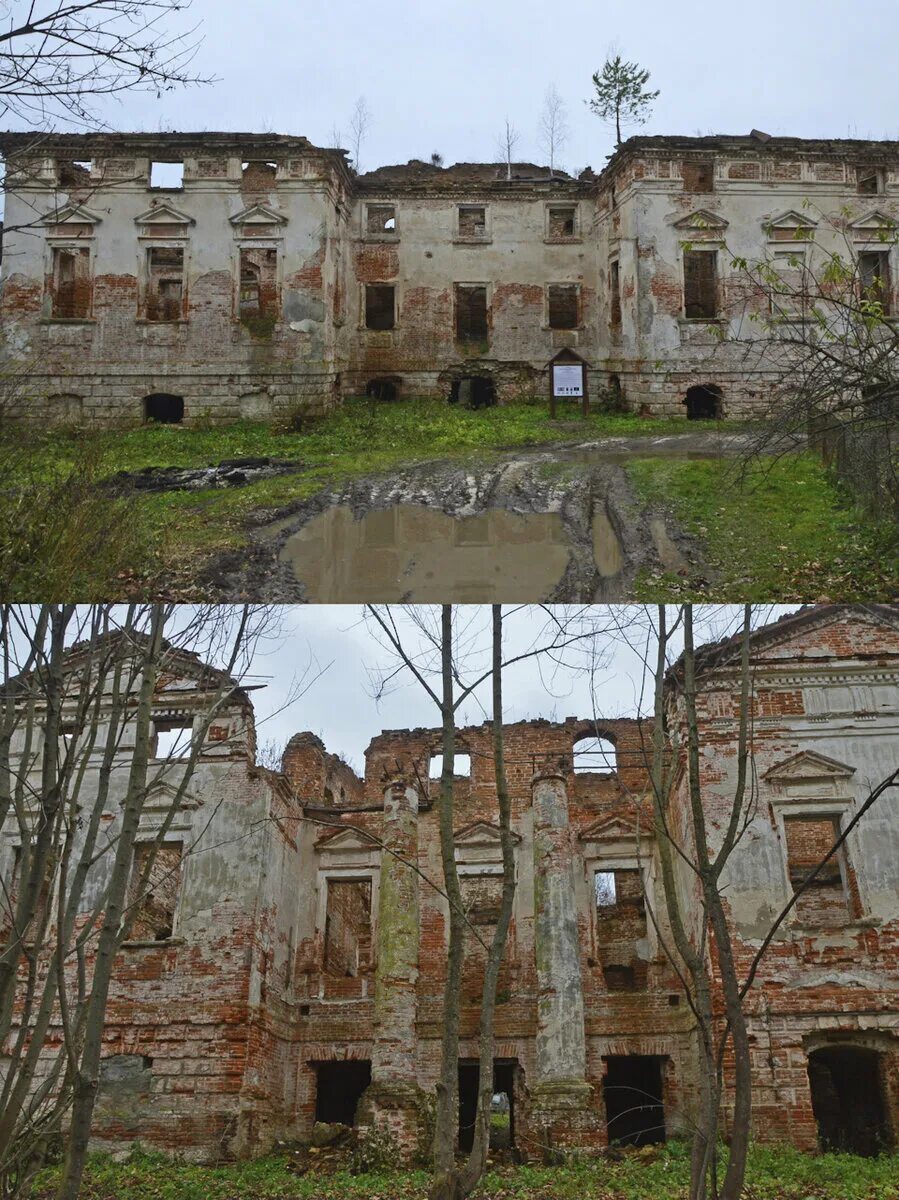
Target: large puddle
{"x":415,"y":553}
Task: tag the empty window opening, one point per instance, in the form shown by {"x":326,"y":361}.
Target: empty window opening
{"x":71,"y":174}
{"x":473,"y":391}
{"x":826,"y":899}
{"x":347,"y":926}
{"x":153,"y":896}
{"x":700,"y":284}
{"x":258,"y":176}
{"x":620,"y":927}
{"x":380,"y":218}
{"x":167,"y":410}
{"x":171,"y":739}
{"x":699,"y":176}
{"x":848,"y":1099}
{"x":703,"y":402}
{"x":868,"y":181}
{"x":380,"y":306}
{"x":563,"y":221}
{"x":258,"y":283}
{"x":165,"y":283}
{"x":168,"y":175}
{"x":632,"y":1090}
{"x":595,"y":756}
{"x":615,"y":294}
{"x":382,"y":389}
{"x":562,"y":304}
{"x":502,"y":1104}
{"x":874,"y":277}
{"x":471,"y":312}
{"x":338,"y":1090}
{"x":71,"y":289}
{"x":472,"y":221}
{"x":461,"y":766}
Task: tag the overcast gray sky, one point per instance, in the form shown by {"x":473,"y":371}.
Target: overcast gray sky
{"x":442,"y":77}
{"x":340,"y":706}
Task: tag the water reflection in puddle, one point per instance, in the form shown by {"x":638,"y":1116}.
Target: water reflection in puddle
{"x":418,"y":553}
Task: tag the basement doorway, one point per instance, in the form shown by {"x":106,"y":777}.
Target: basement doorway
{"x":473,"y":391}
{"x":502,"y":1110}
{"x":847,"y":1088}
{"x":632,"y":1090}
{"x":164,"y":409}
{"x":338,"y":1090}
{"x":703,"y":402}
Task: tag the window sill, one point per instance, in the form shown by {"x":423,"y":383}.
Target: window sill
{"x":690,"y":321}
{"x":173,"y":321}
{"x":68,"y":321}
{"x":148,"y":944}
{"x":165,"y":189}
{"x":472,"y":241}
{"x":380,"y":237}
{"x":851,"y":926}
{"x":563,"y":241}
{"x":563,"y":329}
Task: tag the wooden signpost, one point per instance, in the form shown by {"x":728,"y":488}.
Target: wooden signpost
{"x":568,"y":380}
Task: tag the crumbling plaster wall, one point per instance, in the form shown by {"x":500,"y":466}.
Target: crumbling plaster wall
{"x":221,"y":366}
{"x":641,"y":200}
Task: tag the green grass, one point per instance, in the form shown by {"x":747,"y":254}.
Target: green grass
{"x":775,"y":1173}
{"x":785,"y":530}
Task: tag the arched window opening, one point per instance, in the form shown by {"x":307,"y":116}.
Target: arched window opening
{"x":703,"y":402}
{"x":595,"y":756}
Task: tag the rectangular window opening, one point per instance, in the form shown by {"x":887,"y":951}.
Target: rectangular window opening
{"x":471,"y":312}
{"x":472,"y":221}
{"x":874,"y":277}
{"x":826,"y":900}
{"x":699,"y":176}
{"x":347,"y":927}
{"x":563,"y":221}
{"x":615,"y":295}
{"x":71,"y":285}
{"x":562,"y":303}
{"x":72,"y":174}
{"x":701,"y":284}
{"x":171,"y":739}
{"x":867,"y":181}
{"x":153,"y":890}
{"x":258,"y":283}
{"x":380,"y":219}
{"x":461,"y":766}
{"x":380,"y":306}
{"x":167,"y":175}
{"x":165,"y":283}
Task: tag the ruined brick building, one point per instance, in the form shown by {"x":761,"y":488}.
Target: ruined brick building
{"x":177,"y":276}
{"x":292,"y":968}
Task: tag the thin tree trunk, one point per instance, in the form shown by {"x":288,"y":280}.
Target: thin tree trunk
{"x":446,"y":1177}
{"x":477,"y":1159}
{"x":86,"y":1079}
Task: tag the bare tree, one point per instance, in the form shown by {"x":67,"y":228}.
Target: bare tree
{"x":58,"y":59}
{"x":360,"y":122}
{"x":553,"y":125}
{"x":621,"y":94}
{"x":506,"y":143}
{"x":76,"y":733}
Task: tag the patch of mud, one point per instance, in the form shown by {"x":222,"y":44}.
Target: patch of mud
{"x":232,"y":472}
{"x":560,"y":525}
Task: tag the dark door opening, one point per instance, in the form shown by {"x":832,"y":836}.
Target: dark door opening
{"x":703,"y":402}
{"x":502,"y":1110}
{"x":473,"y":391}
{"x":382,"y":389}
{"x":848,"y":1099}
{"x":167,"y":410}
{"x":632,"y":1090}
{"x":338,"y":1089}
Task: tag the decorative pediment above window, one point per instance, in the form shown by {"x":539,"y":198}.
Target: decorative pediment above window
{"x":164,"y":214}
{"x":71,"y":214}
{"x":258,"y":214}
{"x":344,"y":839}
{"x":162,"y":797}
{"x":872,"y":225}
{"x":809,"y":767}
{"x":790,"y":224}
{"x":702,"y":221}
{"x":614,"y":836}
{"x":479,"y":847}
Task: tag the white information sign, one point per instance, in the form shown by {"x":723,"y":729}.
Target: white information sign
{"x":568,"y":379}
